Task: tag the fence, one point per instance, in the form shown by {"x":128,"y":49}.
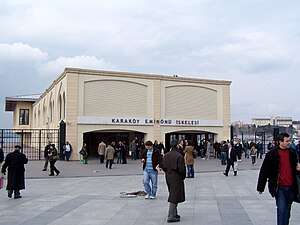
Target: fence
{"x":33,"y":141}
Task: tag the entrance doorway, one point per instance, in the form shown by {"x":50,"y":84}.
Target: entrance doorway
{"x":195,"y":137}
{"x":92,"y":139}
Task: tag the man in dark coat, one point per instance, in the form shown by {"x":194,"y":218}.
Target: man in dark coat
{"x":14,"y":163}
{"x":173,"y":166}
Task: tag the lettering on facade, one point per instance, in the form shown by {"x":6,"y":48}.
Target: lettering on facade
{"x":126,"y":121}
{"x":148,"y":121}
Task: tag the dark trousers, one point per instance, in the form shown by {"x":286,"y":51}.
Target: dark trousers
{"x":172,"y":211}
{"x":68,"y":154}
{"x":46,"y":162}
{"x":230,"y":162}
{"x":101,"y":157}
{"x":109,"y":163}
{"x":53,"y":168}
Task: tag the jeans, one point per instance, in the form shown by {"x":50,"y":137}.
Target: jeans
{"x":119,"y":158}
{"x":190,"y":170}
{"x":223,"y":158}
{"x":253,"y":157}
{"x":150,"y":175}
{"x":133,"y":155}
{"x":46,"y":163}
{"x":68,"y":154}
{"x":284,"y":200}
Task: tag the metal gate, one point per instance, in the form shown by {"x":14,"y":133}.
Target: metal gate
{"x":33,"y":141}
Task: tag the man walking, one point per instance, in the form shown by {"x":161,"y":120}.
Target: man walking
{"x":14,"y":163}
{"x":173,"y":166}
{"x":151,"y":159}
{"x":109,"y":155}
{"x":231,"y":160}
{"x":46,"y":155}
{"x":279,"y":169}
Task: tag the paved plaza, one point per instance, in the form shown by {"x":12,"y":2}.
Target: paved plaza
{"x":90,"y":194}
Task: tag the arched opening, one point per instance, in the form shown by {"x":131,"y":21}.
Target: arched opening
{"x":93,"y":138}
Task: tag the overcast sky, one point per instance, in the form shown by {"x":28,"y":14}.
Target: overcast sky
{"x":253,"y":43}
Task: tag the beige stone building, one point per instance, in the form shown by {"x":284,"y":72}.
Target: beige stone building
{"x":105,"y":105}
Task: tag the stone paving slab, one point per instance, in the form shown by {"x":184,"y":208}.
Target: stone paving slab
{"x":211,"y":198}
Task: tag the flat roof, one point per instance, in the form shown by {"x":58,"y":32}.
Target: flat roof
{"x":10,"y":102}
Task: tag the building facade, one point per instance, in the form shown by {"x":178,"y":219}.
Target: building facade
{"x":105,"y":105}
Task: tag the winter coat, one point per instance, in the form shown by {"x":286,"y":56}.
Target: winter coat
{"x":270,"y":171}
{"x":109,"y":152}
{"x":53,"y":155}
{"x":156,"y":158}
{"x":101,"y":148}
{"x":188,"y":155}
{"x":14,"y":163}
{"x":173,"y":166}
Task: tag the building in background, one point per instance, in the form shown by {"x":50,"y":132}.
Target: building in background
{"x":111,"y":106}
{"x":273,"y":121}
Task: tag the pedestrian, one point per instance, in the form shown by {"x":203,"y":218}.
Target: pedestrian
{"x":224,"y":150}
{"x":231,"y":159}
{"x":14,"y":163}
{"x":67,"y":150}
{"x":279,"y":168}
{"x":151,"y":159}
{"x":1,"y":156}
{"x":132,"y":149}
{"x":101,"y":151}
{"x":46,"y":155}
{"x":84,"y":153}
{"x":189,"y":159}
{"x":175,"y":172}
{"x":239,"y":148}
{"x":118,"y":151}
{"x":53,"y":157}
{"x":253,"y":152}
{"x":109,"y":155}
{"x":208,"y":149}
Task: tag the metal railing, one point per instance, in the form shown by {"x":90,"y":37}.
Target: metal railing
{"x":32,"y":141}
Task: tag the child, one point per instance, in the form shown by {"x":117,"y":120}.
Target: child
{"x":253,"y":152}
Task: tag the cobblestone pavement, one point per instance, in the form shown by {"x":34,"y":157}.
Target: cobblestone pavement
{"x":90,"y":194}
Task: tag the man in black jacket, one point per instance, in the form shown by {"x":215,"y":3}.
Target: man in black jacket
{"x":279,"y":169}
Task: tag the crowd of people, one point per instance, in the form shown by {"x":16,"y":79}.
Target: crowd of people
{"x":279,"y":168}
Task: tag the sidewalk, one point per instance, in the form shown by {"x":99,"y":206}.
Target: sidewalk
{"x":81,"y":196}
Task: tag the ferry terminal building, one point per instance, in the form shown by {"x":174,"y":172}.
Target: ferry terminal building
{"x":111,"y":106}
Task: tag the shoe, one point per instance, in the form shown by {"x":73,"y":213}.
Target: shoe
{"x":51,"y":174}
{"x":235,"y":173}
{"x":152,"y":197}
{"x":9,"y":193}
{"x":17,"y":196}
{"x":57,"y":173}
{"x":177,"y":216}
{"x":44,"y":170}
{"x":173,"y":220}
{"x":225,"y":174}
{"x":147,"y":196}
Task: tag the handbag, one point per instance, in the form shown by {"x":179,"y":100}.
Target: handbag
{"x":1,"y":182}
